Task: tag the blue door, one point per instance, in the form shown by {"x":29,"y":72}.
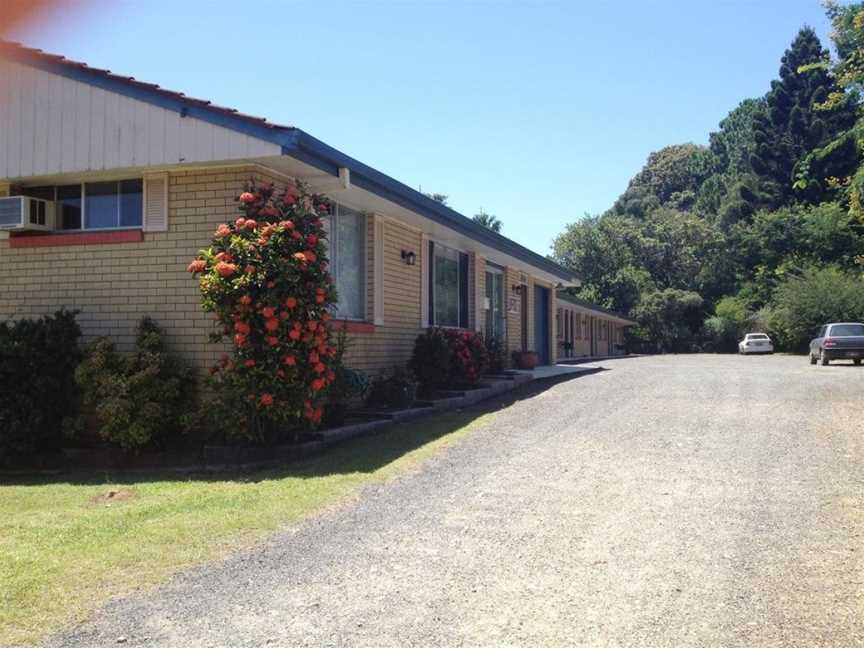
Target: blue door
{"x":541,"y":323}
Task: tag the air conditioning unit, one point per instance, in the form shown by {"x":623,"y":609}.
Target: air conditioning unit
{"x":22,"y":213}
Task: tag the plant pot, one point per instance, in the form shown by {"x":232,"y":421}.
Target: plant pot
{"x":525,"y":359}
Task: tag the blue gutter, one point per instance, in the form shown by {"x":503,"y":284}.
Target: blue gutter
{"x":303,"y":147}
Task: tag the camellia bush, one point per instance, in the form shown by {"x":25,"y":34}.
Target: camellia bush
{"x":265,"y":277}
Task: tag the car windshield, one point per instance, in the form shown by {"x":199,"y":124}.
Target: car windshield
{"x":847,"y":330}
{"x":757,"y":336}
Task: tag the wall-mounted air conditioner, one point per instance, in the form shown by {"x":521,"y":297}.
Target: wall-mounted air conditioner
{"x":21,"y":213}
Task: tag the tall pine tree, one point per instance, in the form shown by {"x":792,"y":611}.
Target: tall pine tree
{"x":792,"y":125}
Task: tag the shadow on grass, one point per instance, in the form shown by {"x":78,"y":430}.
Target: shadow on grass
{"x":364,"y":454}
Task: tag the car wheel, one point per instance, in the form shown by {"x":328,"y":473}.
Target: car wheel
{"x":812,"y":358}
{"x":823,"y":359}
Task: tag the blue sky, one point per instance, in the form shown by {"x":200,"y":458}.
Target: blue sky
{"x":538,"y":112}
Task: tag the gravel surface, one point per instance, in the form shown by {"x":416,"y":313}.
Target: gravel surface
{"x":668,"y":501}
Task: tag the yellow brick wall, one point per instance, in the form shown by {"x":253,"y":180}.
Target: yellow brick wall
{"x":393,"y":341}
{"x":115,"y":285}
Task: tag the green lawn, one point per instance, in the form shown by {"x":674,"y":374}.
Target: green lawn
{"x":62,"y":554}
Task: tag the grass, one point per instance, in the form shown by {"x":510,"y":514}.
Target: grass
{"x":62,"y":554}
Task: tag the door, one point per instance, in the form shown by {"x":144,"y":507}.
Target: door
{"x":541,"y":323}
{"x":495,"y":320}
{"x":523,"y":310}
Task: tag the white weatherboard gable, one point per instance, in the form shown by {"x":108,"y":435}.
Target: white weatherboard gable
{"x":50,"y":124}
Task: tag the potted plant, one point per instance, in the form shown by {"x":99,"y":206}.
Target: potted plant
{"x":525,"y":359}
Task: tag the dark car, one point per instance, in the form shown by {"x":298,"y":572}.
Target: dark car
{"x":840,"y":341}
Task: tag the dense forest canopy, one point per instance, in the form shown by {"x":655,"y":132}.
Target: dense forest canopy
{"x":763,"y":229}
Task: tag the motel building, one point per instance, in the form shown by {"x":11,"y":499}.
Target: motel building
{"x":110,"y":186}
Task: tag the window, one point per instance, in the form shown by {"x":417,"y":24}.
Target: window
{"x":448,"y":287}
{"x":495,"y":303}
{"x":346,"y":231}
{"x":95,"y":205}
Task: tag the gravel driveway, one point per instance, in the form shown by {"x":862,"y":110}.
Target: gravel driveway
{"x":668,"y":501}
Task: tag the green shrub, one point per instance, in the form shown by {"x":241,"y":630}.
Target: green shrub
{"x":801,"y":304}
{"x":397,"y":390}
{"x":496,"y":353}
{"x":37,"y":388}
{"x":450,"y":358}
{"x":146,"y":398}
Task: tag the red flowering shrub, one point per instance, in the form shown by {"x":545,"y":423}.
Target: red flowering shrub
{"x":265,"y":278}
{"x":448,"y":358}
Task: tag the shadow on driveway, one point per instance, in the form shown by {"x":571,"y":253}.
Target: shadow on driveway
{"x":364,"y":454}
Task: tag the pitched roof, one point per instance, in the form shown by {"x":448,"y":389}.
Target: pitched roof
{"x":18,"y":52}
{"x":294,"y":142}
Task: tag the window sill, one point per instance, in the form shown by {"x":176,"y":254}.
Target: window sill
{"x":353,"y":326}
{"x":58,"y":239}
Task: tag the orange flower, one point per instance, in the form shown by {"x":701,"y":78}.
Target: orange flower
{"x":296,"y":235}
{"x":249,"y":269}
{"x":222,"y":231}
{"x":242,"y":327}
{"x":249,"y":363}
{"x":239,"y":223}
{"x":266,"y":400}
{"x":240,"y":340}
{"x":312,"y":325}
{"x":300,"y":257}
{"x":294,"y":334}
{"x":319,"y":299}
{"x":272,"y":341}
{"x":313,"y":358}
{"x":319,"y":368}
{"x":246,"y":299}
{"x":250,"y":225}
{"x":268,"y":312}
{"x":291,"y":302}
{"x":289,"y":360}
{"x":198,"y":265}
{"x":271,"y":324}
{"x":331,"y":376}
{"x":283,"y":316}
{"x":225,"y":269}
{"x":317,"y":384}
{"x":247,"y":197}
{"x":310,"y":256}
{"x":286,"y":224}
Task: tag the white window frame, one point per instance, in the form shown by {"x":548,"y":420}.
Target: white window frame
{"x":432,"y":318}
{"x":332,"y":247}
{"x":58,"y":222}
{"x":496,"y":269}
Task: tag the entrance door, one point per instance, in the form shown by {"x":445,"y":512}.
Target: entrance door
{"x":523,"y":310}
{"x":541,"y":323}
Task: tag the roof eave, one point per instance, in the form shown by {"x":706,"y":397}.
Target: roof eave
{"x":306,"y":148}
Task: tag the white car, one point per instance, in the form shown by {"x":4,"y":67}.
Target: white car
{"x":756,"y":343}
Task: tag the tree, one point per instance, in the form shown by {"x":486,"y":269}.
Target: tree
{"x":488,"y":220}
{"x":437,"y":197}
{"x":670,"y":177}
{"x":793,"y":123}
{"x":804,"y":302}
{"x":671,"y":318}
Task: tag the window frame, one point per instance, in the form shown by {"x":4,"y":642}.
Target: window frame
{"x":332,"y":250}
{"x":495,"y":269}
{"x":433,"y":245}
{"x":82,"y":187}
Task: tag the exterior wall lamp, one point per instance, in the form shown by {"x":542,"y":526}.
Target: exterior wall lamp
{"x":409,"y":258}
